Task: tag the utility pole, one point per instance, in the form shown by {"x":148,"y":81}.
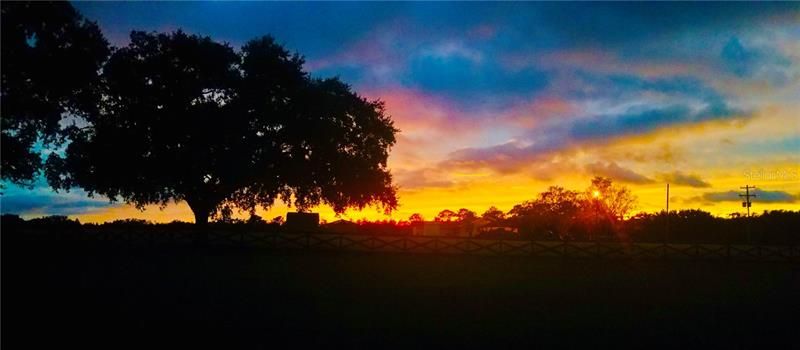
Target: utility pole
{"x":747,"y":204}
{"x":666,"y":236}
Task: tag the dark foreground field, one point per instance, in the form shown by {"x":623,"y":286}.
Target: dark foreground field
{"x":114,"y":298}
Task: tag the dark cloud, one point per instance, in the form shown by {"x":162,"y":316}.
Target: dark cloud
{"x":776,"y":197}
{"x":620,"y":24}
{"x":640,"y":119}
{"x":628,"y":85}
{"x":632,"y":122}
{"x":42,"y":201}
{"x":698,"y":103}
{"x":761,"y":197}
{"x":737,"y":58}
{"x":618,"y":173}
{"x":755,"y":63}
{"x":679,"y":178}
{"x":539,"y":161}
{"x":510,"y":157}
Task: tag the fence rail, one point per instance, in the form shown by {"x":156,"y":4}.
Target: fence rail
{"x":445,"y":245}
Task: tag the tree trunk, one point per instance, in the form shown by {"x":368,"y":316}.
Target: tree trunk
{"x":200,"y":212}
{"x":200,"y":222}
{"x":200,"y":217}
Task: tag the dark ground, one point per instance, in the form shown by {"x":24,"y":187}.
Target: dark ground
{"x":117,"y":297}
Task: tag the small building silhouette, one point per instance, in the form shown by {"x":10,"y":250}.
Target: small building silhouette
{"x":302,"y":221}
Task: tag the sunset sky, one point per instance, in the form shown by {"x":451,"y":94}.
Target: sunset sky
{"x":498,"y":101}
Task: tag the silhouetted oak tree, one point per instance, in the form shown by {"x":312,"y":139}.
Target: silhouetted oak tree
{"x":185,"y":118}
{"x":50,"y":62}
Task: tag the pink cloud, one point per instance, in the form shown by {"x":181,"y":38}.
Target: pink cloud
{"x":531,"y":114}
{"x":416,"y":113}
{"x":430,"y":126}
{"x":378,"y":49}
{"x":368,"y":51}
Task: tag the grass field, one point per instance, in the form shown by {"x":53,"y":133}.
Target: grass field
{"x":392,"y":299}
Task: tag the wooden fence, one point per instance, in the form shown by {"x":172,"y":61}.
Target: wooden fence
{"x":446,"y":245}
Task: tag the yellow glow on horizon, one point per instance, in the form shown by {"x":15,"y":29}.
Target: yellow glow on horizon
{"x":706,"y":150}
{"x":482,"y":194}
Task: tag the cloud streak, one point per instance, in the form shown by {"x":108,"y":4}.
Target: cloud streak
{"x":616,"y":172}
{"x":681,"y":179}
{"x":761,"y":196}
{"x":44,"y":202}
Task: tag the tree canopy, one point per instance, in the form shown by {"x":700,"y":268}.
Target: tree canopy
{"x":416,"y":218}
{"x":186,"y":118}
{"x":570,"y":214}
{"x":616,"y":201}
{"x":493,"y":215}
{"x":51,"y":58}
{"x":446,"y":215}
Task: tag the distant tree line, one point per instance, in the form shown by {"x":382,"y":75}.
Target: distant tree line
{"x":558,"y":213}
{"x":602,"y":213}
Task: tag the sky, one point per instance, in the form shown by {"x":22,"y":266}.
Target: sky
{"x":498,"y":101}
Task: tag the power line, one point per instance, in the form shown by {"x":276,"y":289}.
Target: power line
{"x":747,"y":204}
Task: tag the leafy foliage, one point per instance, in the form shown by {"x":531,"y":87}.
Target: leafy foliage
{"x":466,"y":215}
{"x":493,"y":214}
{"x":566,"y":214}
{"x":553,"y":213}
{"x":51,"y":58}
{"x":416,"y":218}
{"x":446,"y":215}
